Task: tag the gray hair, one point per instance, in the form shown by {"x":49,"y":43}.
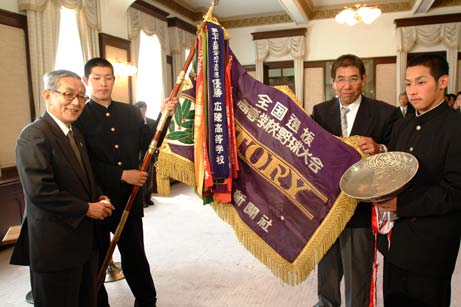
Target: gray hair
{"x":52,"y":78}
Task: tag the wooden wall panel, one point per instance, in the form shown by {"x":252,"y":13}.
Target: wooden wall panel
{"x":15,"y":102}
{"x":313,"y":87}
{"x":385,"y":83}
{"x":117,"y":49}
{"x":121,"y":91}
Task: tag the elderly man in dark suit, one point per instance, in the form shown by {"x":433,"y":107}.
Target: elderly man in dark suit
{"x":420,"y":255}
{"x":57,"y":238}
{"x":351,"y":113}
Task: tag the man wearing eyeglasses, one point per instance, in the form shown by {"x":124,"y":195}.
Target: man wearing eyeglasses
{"x":351,"y":113}
{"x":115,"y":134}
{"x":57,"y":237}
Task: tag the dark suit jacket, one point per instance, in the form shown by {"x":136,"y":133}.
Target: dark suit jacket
{"x":56,"y":233}
{"x":374,"y":119}
{"x":426,"y":237}
{"x":410,"y":110}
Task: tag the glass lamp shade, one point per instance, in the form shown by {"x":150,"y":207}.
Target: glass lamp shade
{"x":352,"y":16}
{"x":368,"y":14}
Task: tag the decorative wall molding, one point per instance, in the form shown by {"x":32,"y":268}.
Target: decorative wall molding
{"x":427,"y":20}
{"x":388,"y":7}
{"x":179,"y":23}
{"x":150,"y":9}
{"x":279,"y":33}
{"x":256,"y":21}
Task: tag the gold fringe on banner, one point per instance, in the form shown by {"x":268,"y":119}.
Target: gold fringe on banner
{"x":170,"y":165}
{"x":296,"y":272}
{"x":179,"y":168}
{"x":320,"y":242}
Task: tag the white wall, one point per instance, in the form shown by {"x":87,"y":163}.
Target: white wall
{"x":326,"y":39}
{"x":9,"y":5}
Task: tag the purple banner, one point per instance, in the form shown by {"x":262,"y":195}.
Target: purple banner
{"x":289,"y":166}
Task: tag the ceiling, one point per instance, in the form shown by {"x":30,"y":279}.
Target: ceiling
{"x":255,"y":12}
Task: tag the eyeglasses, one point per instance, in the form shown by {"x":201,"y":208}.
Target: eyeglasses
{"x":353,"y":80}
{"x":69,"y":96}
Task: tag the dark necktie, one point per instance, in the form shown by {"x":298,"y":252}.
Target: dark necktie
{"x":74,"y":146}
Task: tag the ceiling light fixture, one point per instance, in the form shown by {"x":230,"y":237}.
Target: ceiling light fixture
{"x":353,"y":16}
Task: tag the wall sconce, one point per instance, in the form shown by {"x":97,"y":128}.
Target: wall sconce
{"x":124,"y":69}
{"x":353,"y":16}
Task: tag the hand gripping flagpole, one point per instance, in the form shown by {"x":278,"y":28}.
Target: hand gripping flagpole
{"x":161,"y":126}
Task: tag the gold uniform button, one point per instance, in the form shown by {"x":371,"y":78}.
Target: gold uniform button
{"x":119,"y":163}
{"x":418,"y":127}
{"x":112,"y":129}
{"x":116,"y":146}
{"x":107,"y":114}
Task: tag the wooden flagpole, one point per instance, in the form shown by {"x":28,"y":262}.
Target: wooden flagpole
{"x":161,"y":126}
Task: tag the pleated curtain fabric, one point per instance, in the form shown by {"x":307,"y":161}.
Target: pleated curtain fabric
{"x":344,"y":111}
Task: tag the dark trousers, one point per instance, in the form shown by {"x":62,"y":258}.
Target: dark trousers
{"x":402,"y":288}
{"x":74,"y":287}
{"x":350,"y":256}
{"x":148,"y":187}
{"x":134,"y":264}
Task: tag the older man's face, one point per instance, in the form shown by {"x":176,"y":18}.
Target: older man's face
{"x":67,"y":101}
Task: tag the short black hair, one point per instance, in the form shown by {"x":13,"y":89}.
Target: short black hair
{"x":347,"y":60}
{"x":140,"y":105}
{"x":437,"y":64}
{"x":101,"y":62}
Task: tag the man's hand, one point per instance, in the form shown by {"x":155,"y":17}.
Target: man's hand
{"x":100,"y":210}
{"x":169,"y":104}
{"x":368,"y":145}
{"x":134,"y":177}
{"x":387,"y":205}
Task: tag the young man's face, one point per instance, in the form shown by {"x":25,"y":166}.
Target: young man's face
{"x":423,"y":91}
{"x":67,"y":101}
{"x":348,"y":84}
{"x":100,"y":83}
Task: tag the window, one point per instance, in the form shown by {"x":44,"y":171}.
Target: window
{"x":280,"y":73}
{"x":149,"y":82}
{"x":69,"y":54}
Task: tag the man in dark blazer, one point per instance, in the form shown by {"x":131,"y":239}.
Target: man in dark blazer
{"x":116,"y":135}
{"x":57,"y":237}
{"x":404,"y":108}
{"x":352,"y":253}
{"x":420,"y":254}
{"x":147,"y":188}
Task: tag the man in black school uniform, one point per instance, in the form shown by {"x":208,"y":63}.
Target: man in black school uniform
{"x":424,"y":242}
{"x":115,"y":135}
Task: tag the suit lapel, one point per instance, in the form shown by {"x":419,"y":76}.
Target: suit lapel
{"x":335,"y":117}
{"x":363,"y":120}
{"x":66,"y":149}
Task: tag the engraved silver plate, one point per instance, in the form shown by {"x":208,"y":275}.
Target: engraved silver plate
{"x":379,"y":177}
